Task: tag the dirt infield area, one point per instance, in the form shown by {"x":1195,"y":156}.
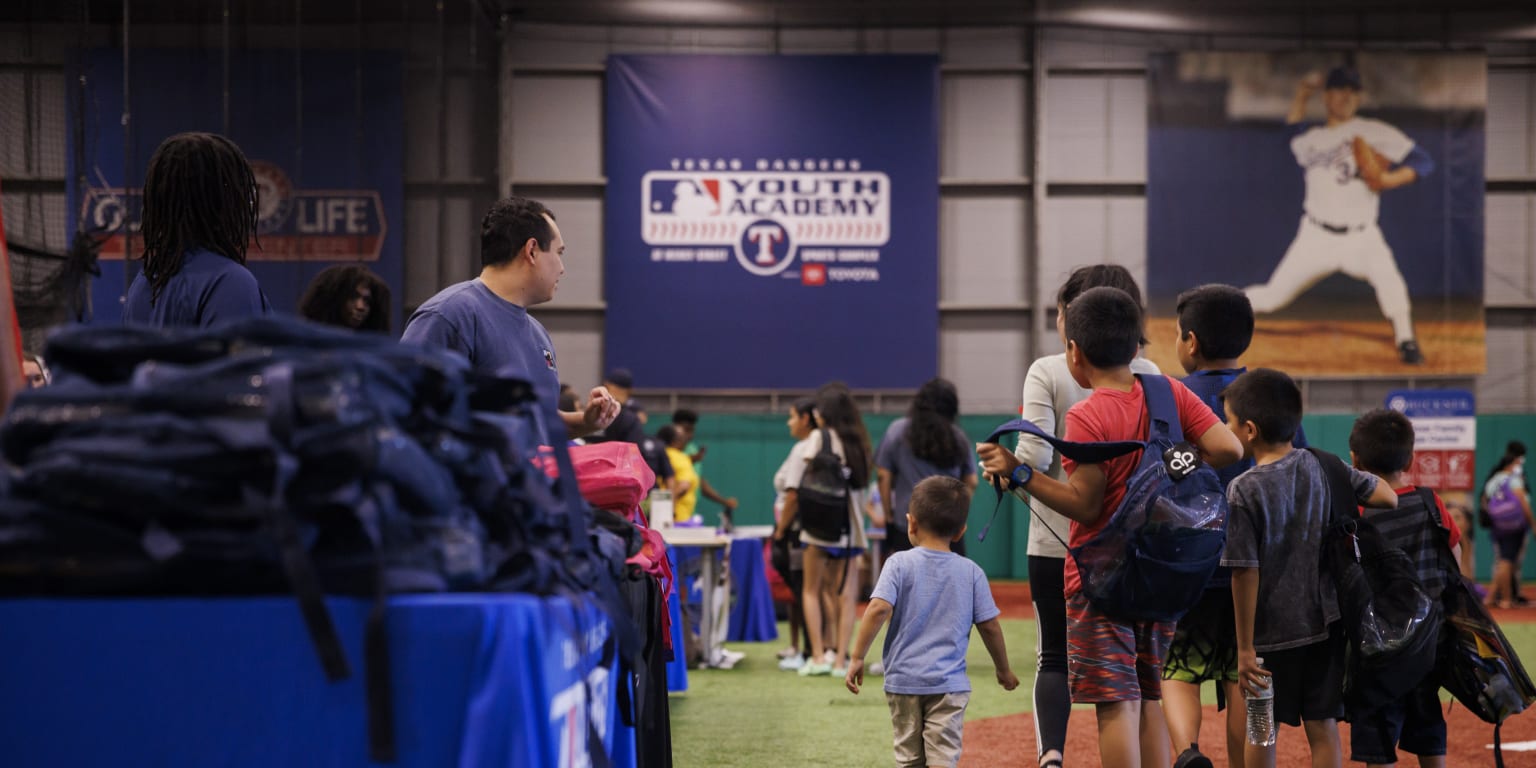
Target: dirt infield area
{"x":1342,"y":347}
{"x":1010,"y":741}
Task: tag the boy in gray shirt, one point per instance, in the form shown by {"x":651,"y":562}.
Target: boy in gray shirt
{"x":932,"y":597}
{"x":1285,"y":606}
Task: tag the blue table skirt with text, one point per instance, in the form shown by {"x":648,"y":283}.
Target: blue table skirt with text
{"x":479,"y":680}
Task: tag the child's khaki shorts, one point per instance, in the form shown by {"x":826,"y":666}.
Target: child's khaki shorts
{"x":927,"y":727}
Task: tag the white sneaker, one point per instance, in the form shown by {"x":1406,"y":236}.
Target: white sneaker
{"x":815,"y":670}
{"x":792,"y":663}
{"x":829,"y":657}
{"x":876,"y":669}
{"x":789,"y":652}
{"x":723,"y":659}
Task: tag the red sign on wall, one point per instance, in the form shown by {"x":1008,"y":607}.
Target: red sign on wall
{"x":1446,"y":470}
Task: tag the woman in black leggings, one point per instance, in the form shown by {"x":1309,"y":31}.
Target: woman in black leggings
{"x":1048,"y":392}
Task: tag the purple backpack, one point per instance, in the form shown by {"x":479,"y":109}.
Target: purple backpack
{"x":1505,"y":510}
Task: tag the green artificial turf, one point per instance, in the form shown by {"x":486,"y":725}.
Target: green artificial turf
{"x":755,"y":715}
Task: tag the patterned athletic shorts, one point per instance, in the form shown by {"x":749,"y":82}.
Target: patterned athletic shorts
{"x":1109,"y":660}
{"x":1205,"y":643}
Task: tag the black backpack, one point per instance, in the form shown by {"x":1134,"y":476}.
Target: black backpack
{"x":823,"y":495}
{"x":1154,"y":557}
{"x":1392,"y":625}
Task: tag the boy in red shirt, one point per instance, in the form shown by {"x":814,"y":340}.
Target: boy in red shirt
{"x":1112,"y":663}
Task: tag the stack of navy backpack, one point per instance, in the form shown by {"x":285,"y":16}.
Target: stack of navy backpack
{"x":273,"y":456}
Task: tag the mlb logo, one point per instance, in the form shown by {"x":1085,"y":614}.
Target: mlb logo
{"x":813,"y":274}
{"x":686,"y":197}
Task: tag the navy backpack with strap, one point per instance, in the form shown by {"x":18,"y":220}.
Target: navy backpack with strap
{"x":1153,"y":559}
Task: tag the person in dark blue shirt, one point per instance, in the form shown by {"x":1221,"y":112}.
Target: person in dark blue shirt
{"x":347,"y":296}
{"x":199,"y":217}
{"x":1215,"y":327}
{"x":486,"y":319}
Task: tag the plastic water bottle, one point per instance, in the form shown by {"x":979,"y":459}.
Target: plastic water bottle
{"x":1261,"y":714}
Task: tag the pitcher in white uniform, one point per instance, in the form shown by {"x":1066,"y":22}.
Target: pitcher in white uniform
{"x":1338,"y":230}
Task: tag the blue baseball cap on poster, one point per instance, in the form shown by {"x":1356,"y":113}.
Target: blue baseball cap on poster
{"x":1343,"y":77}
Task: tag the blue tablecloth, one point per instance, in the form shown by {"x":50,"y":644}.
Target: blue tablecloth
{"x":479,"y":680}
{"x":752,"y":618}
{"x":677,"y":669}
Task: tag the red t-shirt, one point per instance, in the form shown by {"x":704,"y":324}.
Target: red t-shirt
{"x":1110,"y":415}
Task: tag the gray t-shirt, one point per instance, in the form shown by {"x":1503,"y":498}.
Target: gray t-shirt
{"x":936,"y":597}
{"x":1279,"y":514}
{"x":907,"y":470}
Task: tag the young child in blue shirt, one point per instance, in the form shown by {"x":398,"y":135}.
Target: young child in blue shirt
{"x":932,"y":598}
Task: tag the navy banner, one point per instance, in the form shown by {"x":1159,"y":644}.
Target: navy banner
{"x":1343,"y":191}
{"x":772,"y":221}
{"x":323,"y":132}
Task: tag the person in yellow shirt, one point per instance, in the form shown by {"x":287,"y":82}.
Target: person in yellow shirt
{"x":685,"y":495}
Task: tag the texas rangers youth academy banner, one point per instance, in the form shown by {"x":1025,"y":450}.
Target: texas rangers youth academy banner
{"x":1342,"y":191}
{"x":329,"y":178}
{"x":772,"y":221}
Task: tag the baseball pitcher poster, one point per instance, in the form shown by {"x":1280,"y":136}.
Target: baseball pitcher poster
{"x":1343,"y":192}
{"x":772,"y":221}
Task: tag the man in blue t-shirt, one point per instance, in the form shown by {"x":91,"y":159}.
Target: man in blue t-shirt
{"x":487,"y":320}
{"x":198,"y":217}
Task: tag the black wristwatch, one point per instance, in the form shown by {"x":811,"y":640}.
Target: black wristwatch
{"x":1021,"y":476}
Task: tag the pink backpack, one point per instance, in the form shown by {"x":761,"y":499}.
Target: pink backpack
{"x":612,"y":476}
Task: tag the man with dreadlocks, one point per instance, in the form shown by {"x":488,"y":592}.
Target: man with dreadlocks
{"x":486,"y":319}
{"x":199,"y":215}
{"x":349,"y":296}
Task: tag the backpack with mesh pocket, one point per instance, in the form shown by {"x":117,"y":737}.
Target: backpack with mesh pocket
{"x":1153,"y":559}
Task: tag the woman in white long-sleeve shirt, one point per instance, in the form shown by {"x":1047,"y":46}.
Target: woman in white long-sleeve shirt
{"x":1048,"y":392}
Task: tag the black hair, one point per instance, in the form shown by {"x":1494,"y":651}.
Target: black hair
{"x":940,"y":504}
{"x":509,"y":224}
{"x":1382,"y":441}
{"x":837,"y":409}
{"x":685,"y":416}
{"x":1513,"y":450}
{"x":806,"y":406}
{"x":931,"y":431}
{"x":1220,"y":316}
{"x":199,"y":193}
{"x":1269,"y":399}
{"x":1105,"y":324}
{"x":1100,"y":276}
{"x":326,"y":298}
{"x":667,"y":435}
